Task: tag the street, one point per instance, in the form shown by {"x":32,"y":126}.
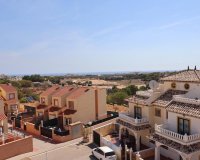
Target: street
{"x":45,"y":150}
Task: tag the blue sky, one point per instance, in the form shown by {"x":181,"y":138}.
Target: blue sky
{"x":66,"y":36}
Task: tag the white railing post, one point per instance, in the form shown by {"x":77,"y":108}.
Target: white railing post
{"x":185,"y":138}
{"x":136,"y":120}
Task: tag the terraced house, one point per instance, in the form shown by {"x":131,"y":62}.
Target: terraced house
{"x":164,"y":119}
{"x":63,"y":110}
{"x":9,"y":139}
{"x":8,"y":94}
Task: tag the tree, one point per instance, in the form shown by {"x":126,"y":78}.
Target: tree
{"x":131,"y":90}
{"x":23,"y":100}
{"x":34,"y":78}
{"x":117,"y":98}
{"x":25,"y":83}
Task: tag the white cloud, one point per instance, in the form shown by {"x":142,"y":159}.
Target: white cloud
{"x":178,"y":23}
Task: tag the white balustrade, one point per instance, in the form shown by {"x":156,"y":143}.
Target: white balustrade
{"x":129,"y":118}
{"x":182,"y":99}
{"x":183,"y":139}
{"x":144,"y":93}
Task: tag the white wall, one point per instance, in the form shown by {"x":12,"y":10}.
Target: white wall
{"x":172,"y":122}
{"x":180,"y":86}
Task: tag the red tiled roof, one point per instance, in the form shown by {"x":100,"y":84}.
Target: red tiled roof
{"x":64,"y":90}
{"x":54,"y":109}
{"x":13,"y":101}
{"x":2,"y":116}
{"x":184,"y":76}
{"x":69,"y":111}
{"x":78,"y":92}
{"x":42,"y":106}
{"x":164,"y":99}
{"x":50,"y":91}
{"x":186,"y":109}
{"x":8,"y":88}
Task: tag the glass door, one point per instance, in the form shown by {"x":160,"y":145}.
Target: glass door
{"x":137,"y":112}
{"x":183,"y":126}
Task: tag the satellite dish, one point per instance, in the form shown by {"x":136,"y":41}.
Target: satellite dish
{"x":153,"y":84}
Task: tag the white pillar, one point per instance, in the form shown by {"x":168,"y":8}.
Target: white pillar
{"x":157,"y":152}
{"x":120,"y":132}
{"x":125,"y":152}
{"x":137,"y":142}
{"x":131,"y":153}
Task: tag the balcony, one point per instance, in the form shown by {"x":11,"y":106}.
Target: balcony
{"x":129,"y":118}
{"x":182,"y":99}
{"x":176,"y":137}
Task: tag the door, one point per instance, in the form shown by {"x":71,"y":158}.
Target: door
{"x":96,"y":138}
{"x":137,"y":112}
{"x":183,"y":126}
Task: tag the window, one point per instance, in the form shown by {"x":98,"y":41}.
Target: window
{"x":40,"y":114}
{"x":157,"y":112}
{"x":13,"y":107}
{"x":56,"y":102}
{"x":68,"y":121}
{"x":173,"y":85}
{"x":137,"y":112}
{"x":71,"y":105}
{"x":11,"y":96}
{"x":166,"y":114}
{"x":42,"y":100}
{"x":109,"y":154}
{"x":183,"y":126}
{"x":187,"y":86}
{"x":99,"y":151}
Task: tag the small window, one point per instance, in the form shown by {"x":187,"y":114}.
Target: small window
{"x":187,"y":86}
{"x":56,"y":102}
{"x":40,"y":114}
{"x":166,"y":114}
{"x":158,"y":112}
{"x":13,"y":107}
{"x":11,"y":96}
{"x":71,"y":105}
{"x":173,"y":85}
{"x":137,"y":112}
{"x":68,"y":121}
{"x":42,"y":100}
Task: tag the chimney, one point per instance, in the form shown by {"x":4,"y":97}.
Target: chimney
{"x":195,"y":68}
{"x":188,"y":68}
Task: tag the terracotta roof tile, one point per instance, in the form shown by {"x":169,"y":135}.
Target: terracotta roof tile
{"x":167,"y":97}
{"x":69,"y":112}
{"x":78,"y":92}
{"x":54,"y":109}
{"x":42,"y":106}
{"x":64,"y":91}
{"x":13,"y":101}
{"x":8,"y":88}
{"x":184,"y":76}
{"x":184,"y":108}
{"x":50,"y":91}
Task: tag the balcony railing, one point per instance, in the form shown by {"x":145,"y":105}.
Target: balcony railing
{"x":132,"y":120}
{"x":182,"y":139}
{"x":182,"y":99}
{"x":144,"y":93}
